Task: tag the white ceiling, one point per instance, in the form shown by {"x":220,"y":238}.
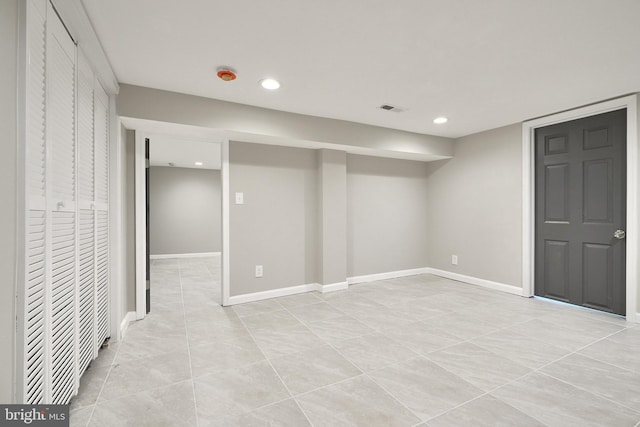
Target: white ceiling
{"x":164,"y":149}
{"x":483,"y":64}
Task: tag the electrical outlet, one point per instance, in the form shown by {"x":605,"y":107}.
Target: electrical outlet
{"x":454,"y":259}
{"x":258,"y":271}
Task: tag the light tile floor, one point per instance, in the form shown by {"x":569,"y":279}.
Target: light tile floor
{"x":416,"y":351}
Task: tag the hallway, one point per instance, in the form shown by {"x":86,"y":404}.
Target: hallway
{"x":419,"y":350}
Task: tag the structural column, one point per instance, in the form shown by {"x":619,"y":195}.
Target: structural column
{"x":332,"y":219}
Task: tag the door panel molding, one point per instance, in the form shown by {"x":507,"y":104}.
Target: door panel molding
{"x":633,"y":186}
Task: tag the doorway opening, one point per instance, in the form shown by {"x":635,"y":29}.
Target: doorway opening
{"x":184,"y":218}
{"x":185,"y":183}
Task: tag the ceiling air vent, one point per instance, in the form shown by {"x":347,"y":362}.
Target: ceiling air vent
{"x":390,"y":107}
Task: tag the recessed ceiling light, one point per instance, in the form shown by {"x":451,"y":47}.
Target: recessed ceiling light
{"x":440,"y":120}
{"x":271,"y":84}
{"x":199,"y":163}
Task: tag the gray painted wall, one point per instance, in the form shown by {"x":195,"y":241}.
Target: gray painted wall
{"x":185,"y":210}
{"x":8,"y":174}
{"x":130,"y":220}
{"x":276,"y":225}
{"x":332,"y":217}
{"x":475,"y":207}
{"x":387,"y":205}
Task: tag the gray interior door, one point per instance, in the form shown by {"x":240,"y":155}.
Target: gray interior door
{"x":580,"y":211}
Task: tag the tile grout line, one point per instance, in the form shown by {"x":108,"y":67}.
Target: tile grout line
{"x":469,"y":340}
{"x":186,"y":328}
{"x":291,"y":396}
{"x":533,"y":371}
{"x":106,"y":378}
{"x":637,"y":412}
{"x":364,"y":374}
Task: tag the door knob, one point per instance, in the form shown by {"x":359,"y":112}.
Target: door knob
{"x":619,"y":234}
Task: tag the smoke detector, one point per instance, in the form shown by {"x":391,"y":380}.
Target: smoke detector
{"x":389,"y":107}
{"x":226,"y":74}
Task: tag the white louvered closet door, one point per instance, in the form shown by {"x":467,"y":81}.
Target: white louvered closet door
{"x":86,"y":216}
{"x":101,"y":123}
{"x":61,"y":157}
{"x":66,"y":262}
{"x":36,"y":222}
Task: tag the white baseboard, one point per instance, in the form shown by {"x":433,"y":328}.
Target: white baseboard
{"x":476,"y":281}
{"x":124,"y":325}
{"x":388,"y":275}
{"x":332,"y":287}
{"x":195,"y":255}
{"x":283,"y":292}
{"x":273,"y":293}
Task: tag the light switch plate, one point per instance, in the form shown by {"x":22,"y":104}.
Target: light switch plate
{"x":239,"y":198}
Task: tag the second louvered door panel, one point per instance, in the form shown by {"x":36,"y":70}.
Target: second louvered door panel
{"x":101,"y":124}
{"x":34,"y":337}
{"x":61,"y":148}
{"x":86,"y":205}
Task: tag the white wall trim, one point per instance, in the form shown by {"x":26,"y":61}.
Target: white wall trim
{"x":117,"y":237}
{"x":226,"y":224}
{"x":477,"y":281}
{"x":633,"y":186}
{"x":273,"y":293}
{"x":283,"y":292}
{"x":388,"y":275}
{"x":141,"y":226}
{"x":193,"y":255}
{"x":332,"y":287}
{"x":124,"y":325}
